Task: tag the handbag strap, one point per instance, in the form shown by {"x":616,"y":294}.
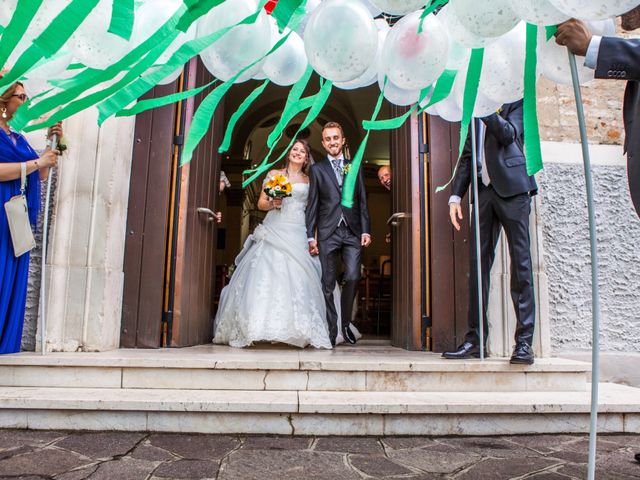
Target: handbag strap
{"x":23,"y":177}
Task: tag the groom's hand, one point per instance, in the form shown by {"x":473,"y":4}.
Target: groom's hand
{"x":313,"y":247}
{"x":365,"y":241}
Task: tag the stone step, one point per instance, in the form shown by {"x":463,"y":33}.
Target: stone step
{"x":358,"y":369}
{"x":317,"y":413}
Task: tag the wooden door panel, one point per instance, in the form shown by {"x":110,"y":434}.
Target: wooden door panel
{"x":147,"y":216}
{"x":196,"y":245}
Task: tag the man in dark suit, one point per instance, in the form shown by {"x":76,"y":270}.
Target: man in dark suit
{"x":336,"y":231}
{"x":504,"y":191}
{"x":616,"y":58}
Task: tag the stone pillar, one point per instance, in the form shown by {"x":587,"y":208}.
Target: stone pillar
{"x":86,"y":236}
{"x":502,"y":319}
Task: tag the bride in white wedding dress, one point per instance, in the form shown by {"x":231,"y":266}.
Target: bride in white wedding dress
{"x":274,"y":294}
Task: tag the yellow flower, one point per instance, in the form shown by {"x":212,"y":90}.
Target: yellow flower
{"x":286,"y":188}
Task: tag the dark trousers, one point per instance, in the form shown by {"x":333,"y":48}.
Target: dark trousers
{"x":345,"y":244}
{"x":512,"y":214}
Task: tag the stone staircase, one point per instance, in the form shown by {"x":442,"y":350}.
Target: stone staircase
{"x":367,"y":389}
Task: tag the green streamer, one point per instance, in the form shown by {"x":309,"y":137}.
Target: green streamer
{"x":432,"y":6}
{"x":293,"y":106}
{"x":470,"y":94}
{"x":443,"y":88}
{"x":15,"y":29}
{"x":122,"y":17}
{"x":95,"y":97}
{"x":533,"y":151}
{"x":320,"y":99}
{"x":202,"y":119}
{"x":226,"y":141}
{"x":142,"y":85}
{"x":352,"y":176}
{"x":550,"y":31}
{"x":397,"y":122}
{"x":468,"y":104}
{"x":144,"y":105}
{"x":289,"y":13}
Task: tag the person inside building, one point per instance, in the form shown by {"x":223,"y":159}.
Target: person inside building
{"x":617,"y":59}
{"x":15,"y":155}
{"x":504,"y":202}
{"x":224,"y":183}
{"x":384,"y":176}
{"x":275,"y":294}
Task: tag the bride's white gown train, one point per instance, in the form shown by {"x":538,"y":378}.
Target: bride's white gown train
{"x":275,"y":293}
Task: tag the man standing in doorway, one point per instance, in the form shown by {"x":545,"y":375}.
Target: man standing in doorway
{"x":384,"y":176}
{"x":504,"y":191}
{"x":334,"y":230}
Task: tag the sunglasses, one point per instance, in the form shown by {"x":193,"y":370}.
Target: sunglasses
{"x":21,"y":96}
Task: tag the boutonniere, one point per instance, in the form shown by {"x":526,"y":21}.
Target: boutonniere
{"x":499,"y":110}
{"x":346,"y":168}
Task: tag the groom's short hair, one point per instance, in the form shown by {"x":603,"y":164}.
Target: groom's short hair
{"x":333,"y":125}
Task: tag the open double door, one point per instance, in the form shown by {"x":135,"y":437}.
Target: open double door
{"x":171,"y":236}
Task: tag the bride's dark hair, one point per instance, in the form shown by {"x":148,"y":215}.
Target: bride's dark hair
{"x":308,"y":161}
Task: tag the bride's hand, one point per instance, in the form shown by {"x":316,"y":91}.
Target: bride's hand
{"x":277,"y":202}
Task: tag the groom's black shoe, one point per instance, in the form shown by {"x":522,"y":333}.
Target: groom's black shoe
{"x":348,"y":335}
{"x":466,"y":350}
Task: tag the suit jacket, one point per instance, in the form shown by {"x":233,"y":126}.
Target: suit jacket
{"x":619,"y":58}
{"x":503,"y":155}
{"x":324,"y":208}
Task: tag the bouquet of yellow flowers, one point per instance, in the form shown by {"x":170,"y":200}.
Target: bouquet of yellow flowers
{"x":278,"y":186}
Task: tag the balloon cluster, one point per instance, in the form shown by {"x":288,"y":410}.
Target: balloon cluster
{"x":344,"y":42}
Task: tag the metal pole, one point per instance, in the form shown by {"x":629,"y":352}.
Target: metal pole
{"x":595,"y":302}
{"x":476,"y":223}
{"x":45,"y":231}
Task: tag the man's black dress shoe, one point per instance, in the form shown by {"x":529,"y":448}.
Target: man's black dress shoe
{"x":466,"y":350}
{"x":348,"y":335}
{"x":522,"y":354}
{"x":637,"y":457}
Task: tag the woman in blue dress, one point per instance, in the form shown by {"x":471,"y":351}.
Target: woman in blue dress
{"x":14,"y":149}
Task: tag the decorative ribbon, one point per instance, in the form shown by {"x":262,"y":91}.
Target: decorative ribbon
{"x":433,"y":4}
{"x":122,"y":17}
{"x":144,"y":105}
{"x":468,"y":104}
{"x":319,"y":100}
{"x":532,"y":148}
{"x":350,"y":180}
{"x":289,"y":13}
{"x":226,"y":141}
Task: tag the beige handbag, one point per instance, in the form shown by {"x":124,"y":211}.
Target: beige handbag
{"x":18,"y":218}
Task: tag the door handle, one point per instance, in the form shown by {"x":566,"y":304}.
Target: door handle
{"x":211,"y":216}
{"x":393,"y":219}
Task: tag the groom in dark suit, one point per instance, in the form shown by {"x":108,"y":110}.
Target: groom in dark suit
{"x":336,"y":231}
{"x":617,"y":59}
{"x":504,"y":191}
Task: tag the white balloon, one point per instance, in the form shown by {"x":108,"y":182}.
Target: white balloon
{"x":92,"y":44}
{"x":540,"y":12}
{"x":458,"y":55}
{"x":459,"y":32}
{"x":553,"y":62}
{"x":399,"y":7}
{"x":397,"y":95}
{"x":502,"y":76}
{"x":310,"y":6}
{"x":483,"y":105}
{"x":375,"y":11}
{"x":371,"y":75}
{"x":415,"y":60}
{"x":449,"y":110}
{"x":483,"y":18}
{"x":594,"y":9}
{"x":239,"y":47}
{"x":288,"y":63}
{"x":604,"y":28}
{"x":341,"y":40}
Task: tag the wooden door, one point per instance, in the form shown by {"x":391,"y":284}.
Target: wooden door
{"x":147,"y":222}
{"x":449,"y":249}
{"x":407,"y":232}
{"x":194,"y":234}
